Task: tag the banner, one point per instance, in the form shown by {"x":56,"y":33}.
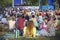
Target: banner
{"x":18,"y":2}
{"x":48,"y":7}
{"x":28,"y":7}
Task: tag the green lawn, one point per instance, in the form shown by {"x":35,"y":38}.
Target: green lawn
{"x":57,"y":37}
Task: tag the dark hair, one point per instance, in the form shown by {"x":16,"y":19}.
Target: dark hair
{"x":47,"y":15}
{"x":33,"y":16}
{"x":46,"y":18}
{"x":40,"y":14}
{"x":54,"y":18}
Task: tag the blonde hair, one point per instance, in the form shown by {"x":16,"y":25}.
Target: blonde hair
{"x":30,"y":27}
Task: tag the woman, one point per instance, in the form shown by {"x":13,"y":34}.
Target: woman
{"x":11,"y":23}
{"x":51,"y":27}
{"x":30,"y":30}
{"x":43,"y":27}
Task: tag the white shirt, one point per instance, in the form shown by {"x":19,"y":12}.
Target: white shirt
{"x":4,"y":20}
{"x":11,"y":24}
{"x":40,"y":19}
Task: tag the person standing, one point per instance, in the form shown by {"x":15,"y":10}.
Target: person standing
{"x":20,"y":24}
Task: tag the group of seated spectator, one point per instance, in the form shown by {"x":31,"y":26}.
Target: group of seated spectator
{"x":30,"y":23}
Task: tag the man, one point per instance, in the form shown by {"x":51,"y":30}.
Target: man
{"x":20,"y":23}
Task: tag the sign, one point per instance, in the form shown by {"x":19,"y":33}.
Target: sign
{"x":48,"y":7}
{"x":28,"y":7}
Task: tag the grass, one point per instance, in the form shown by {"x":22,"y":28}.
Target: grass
{"x":57,"y":37}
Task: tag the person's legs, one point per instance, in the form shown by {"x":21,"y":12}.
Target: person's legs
{"x":21,"y":32}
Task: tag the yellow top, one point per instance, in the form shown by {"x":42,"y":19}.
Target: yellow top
{"x":30,"y":34}
{"x":33,"y":19}
{"x":28,"y":13}
{"x":22,"y":11}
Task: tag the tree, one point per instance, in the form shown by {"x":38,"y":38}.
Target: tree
{"x":44,"y":2}
{"x":32,"y":2}
{"x":59,"y":3}
{"x":5,"y":3}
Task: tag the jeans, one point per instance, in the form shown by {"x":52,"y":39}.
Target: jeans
{"x":21,"y":32}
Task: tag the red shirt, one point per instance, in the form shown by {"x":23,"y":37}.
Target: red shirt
{"x":20,"y":23}
{"x":43,"y":14}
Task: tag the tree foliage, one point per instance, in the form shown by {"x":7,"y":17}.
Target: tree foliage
{"x":35,"y":2}
{"x":44,"y":2}
{"x":5,"y":3}
{"x":28,"y":2}
{"x":32,"y":2}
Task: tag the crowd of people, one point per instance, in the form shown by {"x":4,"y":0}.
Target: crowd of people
{"x":30,"y":23}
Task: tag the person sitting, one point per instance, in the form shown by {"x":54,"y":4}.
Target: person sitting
{"x":30,"y":30}
{"x":34,"y":19}
{"x":4,"y":20}
{"x":11,"y":23}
